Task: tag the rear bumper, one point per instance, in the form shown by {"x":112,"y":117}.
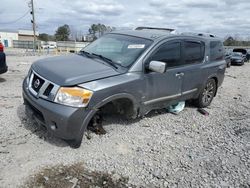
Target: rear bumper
{"x":236,"y":62}
{"x":70,"y":122}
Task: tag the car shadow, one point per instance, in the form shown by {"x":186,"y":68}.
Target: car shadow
{"x":116,"y":118}
{"x":35,"y":128}
{"x":108,"y":119}
{"x":2,"y":80}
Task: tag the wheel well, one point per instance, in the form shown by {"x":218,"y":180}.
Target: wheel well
{"x":122,"y":106}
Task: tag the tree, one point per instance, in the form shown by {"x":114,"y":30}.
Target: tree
{"x":43,"y":37}
{"x":233,"y":41}
{"x":62,"y":33}
{"x":93,"y":29}
{"x":46,"y":37}
{"x":100,"y":29}
{"x":229,"y":41}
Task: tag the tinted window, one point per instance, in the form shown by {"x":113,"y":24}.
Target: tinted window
{"x":216,"y":51}
{"x":194,"y":52}
{"x":169,"y":53}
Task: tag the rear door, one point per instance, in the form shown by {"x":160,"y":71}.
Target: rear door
{"x":217,"y":64}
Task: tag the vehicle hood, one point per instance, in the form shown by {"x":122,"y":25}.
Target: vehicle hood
{"x":73,"y":69}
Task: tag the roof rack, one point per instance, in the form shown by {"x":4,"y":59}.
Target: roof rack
{"x":199,"y":34}
{"x":154,"y":28}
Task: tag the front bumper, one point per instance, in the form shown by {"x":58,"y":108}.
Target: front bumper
{"x":62,"y":121}
{"x":3,"y":69}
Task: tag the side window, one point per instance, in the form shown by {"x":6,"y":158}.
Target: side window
{"x":169,"y":53}
{"x":216,"y":51}
{"x":194,"y":52}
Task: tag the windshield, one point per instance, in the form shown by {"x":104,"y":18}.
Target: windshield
{"x":121,"y":49}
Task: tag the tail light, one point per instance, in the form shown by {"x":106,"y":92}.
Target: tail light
{"x":1,"y":47}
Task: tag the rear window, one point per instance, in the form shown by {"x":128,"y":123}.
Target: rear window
{"x":216,"y":51}
{"x":243,"y":51}
{"x":194,"y":52}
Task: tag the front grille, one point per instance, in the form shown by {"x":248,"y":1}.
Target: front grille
{"x":48,"y":90}
{"x":41,"y":87}
{"x":37,"y":83}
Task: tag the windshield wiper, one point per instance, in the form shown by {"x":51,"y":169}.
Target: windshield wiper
{"x":85,"y":53}
{"x":109,"y":61}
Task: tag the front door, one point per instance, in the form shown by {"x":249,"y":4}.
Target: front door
{"x":161,"y":88}
{"x":195,"y":69}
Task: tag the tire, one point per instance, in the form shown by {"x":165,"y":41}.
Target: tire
{"x":207,"y":94}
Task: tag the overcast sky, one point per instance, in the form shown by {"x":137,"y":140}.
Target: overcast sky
{"x":221,"y":17}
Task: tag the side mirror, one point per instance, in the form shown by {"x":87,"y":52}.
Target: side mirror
{"x":157,"y":66}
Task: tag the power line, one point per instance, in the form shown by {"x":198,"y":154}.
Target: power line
{"x":14,"y":21}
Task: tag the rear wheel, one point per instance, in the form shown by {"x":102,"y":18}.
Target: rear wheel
{"x":207,"y":94}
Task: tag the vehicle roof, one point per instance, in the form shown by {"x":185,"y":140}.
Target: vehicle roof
{"x":159,"y":34}
{"x":147,"y":34}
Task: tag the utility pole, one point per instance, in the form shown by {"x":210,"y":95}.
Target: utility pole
{"x":33,"y":24}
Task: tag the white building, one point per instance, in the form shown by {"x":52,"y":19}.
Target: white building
{"x":7,"y":37}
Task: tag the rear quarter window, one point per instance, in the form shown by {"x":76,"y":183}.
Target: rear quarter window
{"x":216,"y":51}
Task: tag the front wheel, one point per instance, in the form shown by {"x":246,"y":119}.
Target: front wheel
{"x":207,"y":94}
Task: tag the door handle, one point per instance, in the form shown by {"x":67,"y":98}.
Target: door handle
{"x":178,"y":74}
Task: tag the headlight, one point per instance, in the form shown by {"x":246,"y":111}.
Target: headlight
{"x":73,"y":96}
{"x":28,"y":77}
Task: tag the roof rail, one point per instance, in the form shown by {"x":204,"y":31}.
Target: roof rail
{"x":154,"y":28}
{"x":199,"y":34}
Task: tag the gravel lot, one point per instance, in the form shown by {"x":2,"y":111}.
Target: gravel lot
{"x":161,"y":150}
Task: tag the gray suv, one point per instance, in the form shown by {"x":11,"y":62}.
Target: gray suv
{"x":132,"y":71}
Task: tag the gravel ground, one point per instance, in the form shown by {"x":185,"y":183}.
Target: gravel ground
{"x":161,"y":150}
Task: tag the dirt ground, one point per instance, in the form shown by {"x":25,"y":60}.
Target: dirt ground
{"x":161,"y":150}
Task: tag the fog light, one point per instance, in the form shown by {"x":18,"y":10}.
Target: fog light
{"x":53,"y":126}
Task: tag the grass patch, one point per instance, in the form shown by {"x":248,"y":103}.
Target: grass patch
{"x":75,"y":176}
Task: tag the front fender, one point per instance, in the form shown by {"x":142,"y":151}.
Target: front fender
{"x":100,"y":104}
{"x":118,"y":96}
